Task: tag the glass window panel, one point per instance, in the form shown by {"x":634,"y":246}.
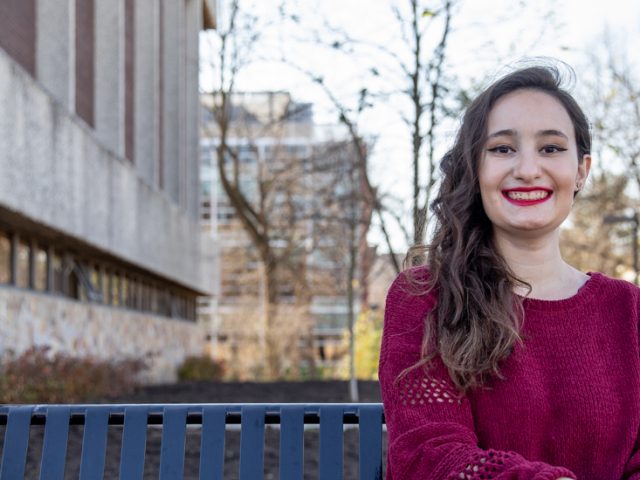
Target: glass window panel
{"x":106,"y":281}
{"x":41,"y":269}
{"x":156,"y":301}
{"x":124,"y":285}
{"x":56,"y":266}
{"x":115,"y":290}
{"x":82,"y":293}
{"x":152,"y":299}
{"x":146,"y":303}
{"x":5,"y":258}
{"x":133,"y":293}
{"x":74,"y":286}
{"x":94,"y":278}
{"x":23,"y":265}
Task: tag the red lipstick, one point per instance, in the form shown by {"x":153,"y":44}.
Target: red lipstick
{"x":519,"y":197}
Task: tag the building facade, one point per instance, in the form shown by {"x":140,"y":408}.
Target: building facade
{"x":101,"y":252}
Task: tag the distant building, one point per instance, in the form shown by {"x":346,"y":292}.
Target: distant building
{"x":269,"y":131}
{"x":101,"y":250}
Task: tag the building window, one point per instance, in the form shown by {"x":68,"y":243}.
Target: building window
{"x":57,"y":271}
{"x":5,"y":258}
{"x":106,"y":287}
{"x":124,"y":287}
{"x":83,"y":295}
{"x":94,"y":278}
{"x":73,"y":289}
{"x":23,"y":270}
{"x":146,"y":297}
{"x":40,"y":257}
{"x":115,"y":290}
{"x":132,"y":298}
{"x":29,"y":264}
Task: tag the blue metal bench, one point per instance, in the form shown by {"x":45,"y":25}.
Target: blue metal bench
{"x":174,"y":419}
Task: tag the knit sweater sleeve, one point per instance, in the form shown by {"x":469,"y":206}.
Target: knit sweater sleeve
{"x":430,"y":426}
{"x":632,"y":467}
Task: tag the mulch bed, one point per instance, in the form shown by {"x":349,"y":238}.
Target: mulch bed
{"x":277,"y":392}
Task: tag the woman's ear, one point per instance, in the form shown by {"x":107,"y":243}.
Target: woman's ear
{"x":583,"y":170}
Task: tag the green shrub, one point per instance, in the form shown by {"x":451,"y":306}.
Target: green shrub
{"x":39,"y":376}
{"x":201,"y":368}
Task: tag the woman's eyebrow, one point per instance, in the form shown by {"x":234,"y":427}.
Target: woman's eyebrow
{"x":546,"y":133}
{"x":501,"y":133}
{"x":542,"y":133}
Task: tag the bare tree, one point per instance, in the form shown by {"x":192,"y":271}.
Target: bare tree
{"x":343,"y":214}
{"x":588,"y":242}
{"x":263,"y":195}
{"x":421,"y":83}
{"x":411,"y":75}
{"x":613,"y":96}
{"x":277,"y":197}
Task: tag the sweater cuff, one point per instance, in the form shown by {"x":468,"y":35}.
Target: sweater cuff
{"x":493,"y":464}
{"x":554,"y":473}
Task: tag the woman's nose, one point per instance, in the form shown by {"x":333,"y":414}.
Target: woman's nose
{"x":526,"y":166}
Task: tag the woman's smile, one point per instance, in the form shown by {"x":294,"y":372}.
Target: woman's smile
{"x":527,"y":196}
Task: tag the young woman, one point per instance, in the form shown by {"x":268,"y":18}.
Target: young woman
{"x":499,"y":360}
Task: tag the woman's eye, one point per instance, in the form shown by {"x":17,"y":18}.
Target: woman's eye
{"x":502,"y":149}
{"x":553,"y":149}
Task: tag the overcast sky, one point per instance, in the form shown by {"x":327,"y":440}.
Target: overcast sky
{"x":486,"y":35}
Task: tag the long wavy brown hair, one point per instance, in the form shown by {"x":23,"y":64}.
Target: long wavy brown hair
{"x":477,"y":319}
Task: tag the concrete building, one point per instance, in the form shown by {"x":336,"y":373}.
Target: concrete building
{"x":101,"y":252}
{"x":300,"y":179}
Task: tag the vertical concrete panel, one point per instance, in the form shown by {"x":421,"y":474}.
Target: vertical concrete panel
{"x":84,"y":59}
{"x":157,"y":93}
{"x":55,"y":24}
{"x":170,"y":29}
{"x":146,"y":70}
{"x":129,"y":79}
{"x":109,"y":94}
{"x":8,"y":121}
{"x":192,"y":151}
{"x":183,"y":160}
{"x":18,"y":31}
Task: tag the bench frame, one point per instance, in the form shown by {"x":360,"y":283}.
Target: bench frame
{"x":174,"y":419}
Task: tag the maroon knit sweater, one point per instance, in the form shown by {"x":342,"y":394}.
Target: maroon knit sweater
{"x":569,"y":404}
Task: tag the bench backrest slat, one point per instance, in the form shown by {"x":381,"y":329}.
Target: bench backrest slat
{"x":94,"y":443}
{"x":212,"y":442}
{"x":14,"y":454}
{"x":134,"y":442}
{"x":331,"y":440}
{"x":370,"y":433}
{"x":173,"y":441}
{"x":252,"y":442}
{"x":291,"y":442}
{"x":54,"y":450}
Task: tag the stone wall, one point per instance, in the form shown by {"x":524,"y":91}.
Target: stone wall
{"x":79,"y":328}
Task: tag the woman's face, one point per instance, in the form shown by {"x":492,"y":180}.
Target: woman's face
{"x":529,"y":167}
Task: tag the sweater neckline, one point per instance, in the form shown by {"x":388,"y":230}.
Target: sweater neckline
{"x":582,"y":296}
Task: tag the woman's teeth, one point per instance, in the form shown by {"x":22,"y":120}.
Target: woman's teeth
{"x":534,"y":195}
